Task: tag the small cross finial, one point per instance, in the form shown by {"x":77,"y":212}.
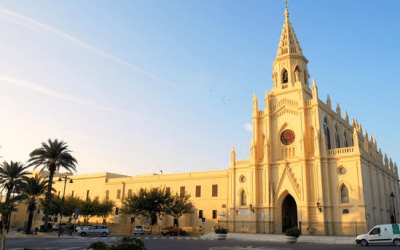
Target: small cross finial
{"x":286,"y":3}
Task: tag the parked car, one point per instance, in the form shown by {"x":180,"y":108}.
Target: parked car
{"x":55,"y":227}
{"x":80,"y":227}
{"x":49,"y":225}
{"x":173,"y":231}
{"x":141,"y":230}
{"x":381,"y":234}
{"x":95,"y":230}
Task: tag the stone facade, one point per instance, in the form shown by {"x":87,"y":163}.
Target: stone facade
{"x":308,"y":166}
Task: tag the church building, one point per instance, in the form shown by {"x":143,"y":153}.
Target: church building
{"x":308,"y":166}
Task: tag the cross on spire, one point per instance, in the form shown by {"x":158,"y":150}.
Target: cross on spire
{"x":286,"y":3}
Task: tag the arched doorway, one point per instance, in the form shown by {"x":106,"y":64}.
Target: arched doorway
{"x":289,"y":213}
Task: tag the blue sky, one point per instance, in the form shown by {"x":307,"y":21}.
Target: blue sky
{"x":137,"y":87}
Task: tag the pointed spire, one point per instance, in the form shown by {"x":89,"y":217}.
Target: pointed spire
{"x":233,"y":157}
{"x":390,"y":164}
{"x":314,"y":89}
{"x":255,"y":105}
{"x":386,"y":161}
{"x":288,"y":44}
{"x":346,"y":116}
{"x":328,"y":101}
{"x":338,"y":109}
{"x":355,"y":141}
{"x":266,"y":102}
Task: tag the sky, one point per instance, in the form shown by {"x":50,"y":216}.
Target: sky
{"x":136,"y":87}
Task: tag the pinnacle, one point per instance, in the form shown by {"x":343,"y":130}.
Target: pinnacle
{"x":288,"y":44}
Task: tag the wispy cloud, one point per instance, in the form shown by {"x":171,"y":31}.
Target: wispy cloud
{"x":33,"y":24}
{"x":66,"y":97}
{"x":248,"y":127}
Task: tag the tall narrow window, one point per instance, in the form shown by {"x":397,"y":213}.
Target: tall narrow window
{"x":337,"y":139}
{"x":243,"y":198}
{"x":344,"y":193}
{"x":200,"y":214}
{"x":182,"y":194}
{"x":327,"y":134}
{"x":107,"y":194}
{"x":214,"y":214}
{"x":72,"y":194}
{"x":116,"y":211}
{"x":214,"y":190}
{"x":119,"y":194}
{"x":87,"y":195}
{"x":346,"y":144}
{"x":285,"y":76}
{"x":129,"y":193}
{"x":198,"y":191}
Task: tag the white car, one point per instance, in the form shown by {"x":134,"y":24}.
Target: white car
{"x":95,"y":230}
{"x":381,"y":234}
{"x":141,"y":230}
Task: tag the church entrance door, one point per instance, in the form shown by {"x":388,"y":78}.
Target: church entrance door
{"x":289,"y":213}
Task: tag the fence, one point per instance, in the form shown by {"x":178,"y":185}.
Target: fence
{"x":321,"y":228}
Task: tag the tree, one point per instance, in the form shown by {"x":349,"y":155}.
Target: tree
{"x":52,"y":157}
{"x":90,"y":208}
{"x":149,"y":203}
{"x":105,"y":208}
{"x":31,"y":190}
{"x":70,"y":204}
{"x":179,"y":206}
{"x":11,"y":175}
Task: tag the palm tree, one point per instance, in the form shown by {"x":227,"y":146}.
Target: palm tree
{"x":11,"y":175}
{"x":31,"y":190}
{"x":52,"y":157}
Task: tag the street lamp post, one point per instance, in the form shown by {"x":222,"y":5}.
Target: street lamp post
{"x":62,"y":206}
{"x":394,"y":208}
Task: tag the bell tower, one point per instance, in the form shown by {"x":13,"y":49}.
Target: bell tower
{"x":290,"y":66}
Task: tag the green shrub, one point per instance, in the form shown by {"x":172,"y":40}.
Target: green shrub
{"x":99,"y":245}
{"x":128,"y":243}
{"x":294,"y":231}
{"x":221,"y":230}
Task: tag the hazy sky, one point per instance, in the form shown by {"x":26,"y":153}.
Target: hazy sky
{"x":137,"y":87}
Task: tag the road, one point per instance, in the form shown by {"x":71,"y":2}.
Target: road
{"x":157,"y":242}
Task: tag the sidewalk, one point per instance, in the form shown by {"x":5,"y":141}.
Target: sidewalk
{"x":13,"y":234}
{"x":281,"y":238}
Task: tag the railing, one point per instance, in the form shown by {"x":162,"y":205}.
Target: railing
{"x":338,"y":151}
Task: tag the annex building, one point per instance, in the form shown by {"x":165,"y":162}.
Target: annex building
{"x":308,"y":166}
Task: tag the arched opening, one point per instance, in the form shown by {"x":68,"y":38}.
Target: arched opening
{"x":285,"y":76}
{"x":337,"y":139}
{"x":243,"y":198}
{"x":344,"y":194}
{"x":327,"y":135}
{"x":289,"y":213}
{"x":345,"y":139}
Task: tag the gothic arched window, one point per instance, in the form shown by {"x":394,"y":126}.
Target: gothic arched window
{"x":346,"y":144}
{"x":344,"y":194}
{"x":327,"y":134}
{"x":337,"y":139}
{"x":285,"y":76}
{"x":243,"y":198}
